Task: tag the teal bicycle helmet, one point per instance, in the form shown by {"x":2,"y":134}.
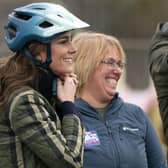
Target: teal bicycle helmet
{"x":38,"y":22}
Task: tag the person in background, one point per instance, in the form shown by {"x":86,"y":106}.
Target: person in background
{"x":158,"y":67}
{"x":118,"y":134}
{"x":39,"y":124}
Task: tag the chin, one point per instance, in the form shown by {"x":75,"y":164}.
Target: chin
{"x":68,"y":69}
{"x":112,"y":92}
{"x":66,"y":73}
{"x":110,"y":96}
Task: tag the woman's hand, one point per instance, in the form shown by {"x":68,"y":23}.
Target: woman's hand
{"x":66,"y":88}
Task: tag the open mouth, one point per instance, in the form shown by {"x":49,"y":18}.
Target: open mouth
{"x":68,"y":60}
{"x":111,"y":81}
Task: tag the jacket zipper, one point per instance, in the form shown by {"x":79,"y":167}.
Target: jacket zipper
{"x":114,"y":146}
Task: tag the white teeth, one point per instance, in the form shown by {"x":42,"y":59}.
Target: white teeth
{"x":111,"y":81}
{"x":68,"y":60}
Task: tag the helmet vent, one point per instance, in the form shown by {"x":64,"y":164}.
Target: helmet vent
{"x":22,"y":16}
{"x":60,"y":15}
{"x":46,"y":24}
{"x":11,"y":32}
{"x":39,"y":8}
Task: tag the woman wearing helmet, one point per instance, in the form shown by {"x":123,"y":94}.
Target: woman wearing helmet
{"x":39,"y":125}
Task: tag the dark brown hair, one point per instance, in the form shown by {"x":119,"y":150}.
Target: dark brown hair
{"x":17,"y":72}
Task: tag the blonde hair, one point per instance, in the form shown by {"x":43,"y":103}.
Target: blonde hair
{"x":91,"y":49}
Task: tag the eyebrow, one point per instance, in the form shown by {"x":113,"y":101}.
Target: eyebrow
{"x":110,"y":58}
{"x":65,"y":36}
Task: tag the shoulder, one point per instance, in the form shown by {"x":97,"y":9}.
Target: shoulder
{"x":134,"y":111}
{"x":127,"y":106}
{"x":25,"y":95}
{"x":28,"y":102}
{"x":132,"y":107}
{"x":24,"y":91}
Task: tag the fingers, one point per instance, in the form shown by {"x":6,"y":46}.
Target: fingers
{"x":72,"y":77}
{"x":75,"y":81}
{"x":66,"y":88}
{"x":71,"y":80}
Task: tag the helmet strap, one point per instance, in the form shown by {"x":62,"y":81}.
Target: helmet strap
{"x":48,"y":59}
{"x":55,"y":77}
{"x":54,"y":86}
{"x":44,"y":65}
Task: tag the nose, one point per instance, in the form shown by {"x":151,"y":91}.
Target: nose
{"x":117,"y":70}
{"x":72,"y":49}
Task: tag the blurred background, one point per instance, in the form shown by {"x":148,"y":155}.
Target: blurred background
{"x":133,"y":22}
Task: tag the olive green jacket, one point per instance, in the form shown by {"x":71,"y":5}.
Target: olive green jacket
{"x":158,"y":65}
{"x":32,"y":136}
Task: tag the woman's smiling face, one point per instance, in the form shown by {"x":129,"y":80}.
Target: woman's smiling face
{"x":105,"y":78}
{"x":62,"y":52}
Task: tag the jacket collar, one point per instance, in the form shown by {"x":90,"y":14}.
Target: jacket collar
{"x":85,"y":108}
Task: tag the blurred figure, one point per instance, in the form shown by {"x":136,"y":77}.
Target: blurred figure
{"x":158,"y":66}
{"x":39,"y":125}
{"x":118,"y":134}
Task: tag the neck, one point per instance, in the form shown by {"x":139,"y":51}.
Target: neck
{"x":45,"y":89}
{"x":93,"y":100}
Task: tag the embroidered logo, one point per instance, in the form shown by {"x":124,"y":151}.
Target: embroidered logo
{"x":130,"y":129}
{"x":91,"y":139}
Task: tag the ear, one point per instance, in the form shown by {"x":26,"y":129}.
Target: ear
{"x":41,"y":57}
